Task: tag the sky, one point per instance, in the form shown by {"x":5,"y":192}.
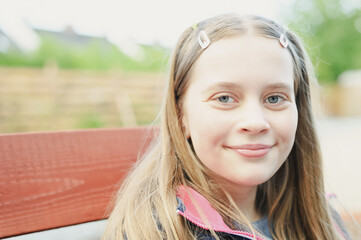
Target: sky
{"x":142,"y":21}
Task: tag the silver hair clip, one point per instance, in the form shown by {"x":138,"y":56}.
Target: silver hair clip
{"x":203,"y":39}
{"x":283,"y":40}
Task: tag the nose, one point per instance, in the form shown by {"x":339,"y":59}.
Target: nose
{"x":253,"y":120}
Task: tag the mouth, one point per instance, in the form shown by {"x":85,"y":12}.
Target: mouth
{"x":252,"y":150}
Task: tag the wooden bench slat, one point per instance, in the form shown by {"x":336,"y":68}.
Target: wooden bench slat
{"x":56,"y":179}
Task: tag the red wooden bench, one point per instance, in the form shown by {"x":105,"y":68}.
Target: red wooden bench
{"x":56,"y":179}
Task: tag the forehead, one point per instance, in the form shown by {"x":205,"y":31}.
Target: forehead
{"x":245,"y":59}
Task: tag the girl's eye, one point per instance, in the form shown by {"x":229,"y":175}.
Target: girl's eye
{"x":225,"y":99}
{"x":275,"y":99}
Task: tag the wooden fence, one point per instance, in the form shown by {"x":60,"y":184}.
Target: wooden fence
{"x":52,"y":99}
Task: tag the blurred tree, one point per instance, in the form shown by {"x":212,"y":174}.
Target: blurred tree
{"x":331,"y":30}
{"x":92,"y":55}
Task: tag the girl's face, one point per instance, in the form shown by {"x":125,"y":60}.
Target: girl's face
{"x":239,"y":109}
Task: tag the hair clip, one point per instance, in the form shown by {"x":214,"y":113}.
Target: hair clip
{"x":283,"y":40}
{"x":203,"y":39}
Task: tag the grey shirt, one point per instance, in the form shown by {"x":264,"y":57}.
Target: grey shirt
{"x":262,"y":226}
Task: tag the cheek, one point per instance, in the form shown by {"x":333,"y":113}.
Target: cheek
{"x":285,"y":127}
{"x":208,"y":130}
{"x":207,"y":125}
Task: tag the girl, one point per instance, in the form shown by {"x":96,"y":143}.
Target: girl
{"x":236,"y":156}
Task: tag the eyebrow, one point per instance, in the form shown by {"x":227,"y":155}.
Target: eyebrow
{"x":222,"y":85}
{"x":283,"y":86}
{"x":235,"y":86}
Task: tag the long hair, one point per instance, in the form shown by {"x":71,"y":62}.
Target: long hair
{"x":294,"y":198}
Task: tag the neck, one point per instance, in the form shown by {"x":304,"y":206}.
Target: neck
{"x":244,"y":197}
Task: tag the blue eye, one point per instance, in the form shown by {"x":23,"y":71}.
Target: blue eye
{"x":225,"y":99}
{"x":275,"y":99}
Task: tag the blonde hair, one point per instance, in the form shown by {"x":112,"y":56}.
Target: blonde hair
{"x":294,"y":198}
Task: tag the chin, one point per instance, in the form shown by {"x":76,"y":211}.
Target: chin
{"x":252,"y":180}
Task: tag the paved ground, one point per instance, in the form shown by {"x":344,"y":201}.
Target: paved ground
{"x":340,"y":140}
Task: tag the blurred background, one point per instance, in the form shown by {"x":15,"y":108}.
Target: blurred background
{"x":75,"y":64}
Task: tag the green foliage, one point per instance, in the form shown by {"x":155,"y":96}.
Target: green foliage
{"x":332,"y":35}
{"x":93,"y":55}
{"x":90,"y":120}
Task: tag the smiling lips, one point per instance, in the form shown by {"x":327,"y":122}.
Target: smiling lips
{"x":252,"y":150}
